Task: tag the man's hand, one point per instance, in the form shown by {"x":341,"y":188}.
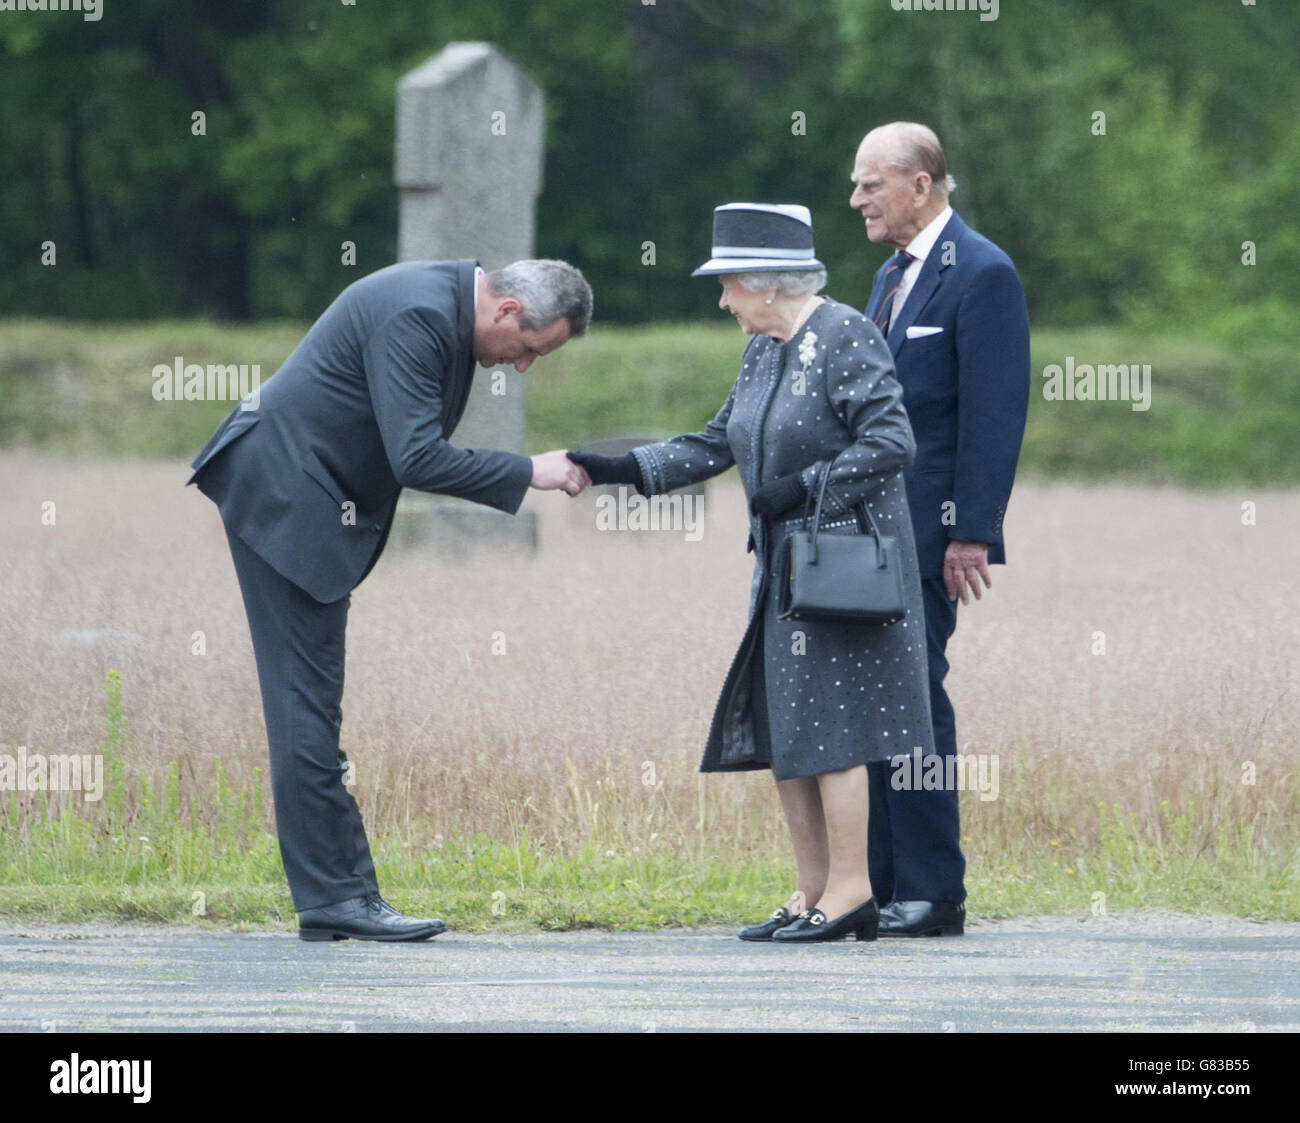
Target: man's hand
{"x":964,"y":563}
{"x":554,"y":471}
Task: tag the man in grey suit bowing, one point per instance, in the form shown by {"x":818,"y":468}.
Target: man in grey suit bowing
{"x":306,"y":476}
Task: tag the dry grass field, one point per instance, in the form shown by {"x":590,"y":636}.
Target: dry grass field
{"x":586,"y":730}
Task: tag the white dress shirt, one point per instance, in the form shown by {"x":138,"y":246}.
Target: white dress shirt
{"x":919,"y":247}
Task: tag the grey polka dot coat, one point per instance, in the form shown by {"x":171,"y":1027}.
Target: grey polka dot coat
{"x":831,"y":695}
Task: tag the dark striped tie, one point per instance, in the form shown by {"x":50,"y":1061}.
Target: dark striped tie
{"x":893,"y":279}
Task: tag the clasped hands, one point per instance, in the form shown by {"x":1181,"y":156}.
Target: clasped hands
{"x":574,"y":472}
{"x":554,"y":471}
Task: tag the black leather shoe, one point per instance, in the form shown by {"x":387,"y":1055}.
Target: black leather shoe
{"x":922,"y":918}
{"x":813,"y":925}
{"x":364,"y":918}
{"x":778,"y":919}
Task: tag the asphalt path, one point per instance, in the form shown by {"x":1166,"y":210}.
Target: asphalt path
{"x":1138,"y":972}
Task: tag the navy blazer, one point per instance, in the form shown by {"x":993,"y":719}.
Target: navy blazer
{"x":965,"y":388}
{"x":364,"y":406}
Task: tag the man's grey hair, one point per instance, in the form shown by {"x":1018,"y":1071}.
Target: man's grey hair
{"x":789,"y":282}
{"x":546,"y":290}
{"x":915,"y":148}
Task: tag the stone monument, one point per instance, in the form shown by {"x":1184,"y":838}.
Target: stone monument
{"x":468,"y":169}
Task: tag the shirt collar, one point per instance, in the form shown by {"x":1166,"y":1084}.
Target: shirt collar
{"x":478,"y":272}
{"x":923,"y":243}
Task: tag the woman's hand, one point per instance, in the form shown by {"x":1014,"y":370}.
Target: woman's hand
{"x":610,"y":469}
{"x":777,"y":496}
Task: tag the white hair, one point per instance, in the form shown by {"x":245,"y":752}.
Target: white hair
{"x":546,"y":290}
{"x":916,"y":148}
{"x":787,"y":282}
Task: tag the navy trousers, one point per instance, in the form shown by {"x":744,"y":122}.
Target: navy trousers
{"x":298,"y":644}
{"x":914,"y":837}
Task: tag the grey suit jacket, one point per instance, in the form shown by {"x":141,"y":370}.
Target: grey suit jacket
{"x":364,"y":406}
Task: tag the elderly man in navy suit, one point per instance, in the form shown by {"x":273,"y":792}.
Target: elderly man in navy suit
{"x":951,"y":307}
{"x":307,"y":478}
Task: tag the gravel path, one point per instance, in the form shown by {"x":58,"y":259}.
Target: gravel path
{"x":1148,"y":971}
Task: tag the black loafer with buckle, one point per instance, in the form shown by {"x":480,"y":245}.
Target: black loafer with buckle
{"x":814,"y":926}
{"x":777,"y":920}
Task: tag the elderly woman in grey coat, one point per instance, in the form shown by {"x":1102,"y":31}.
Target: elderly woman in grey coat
{"x":815,"y":701}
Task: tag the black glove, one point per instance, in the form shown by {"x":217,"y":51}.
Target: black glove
{"x":610,"y":469}
{"x":777,"y":496}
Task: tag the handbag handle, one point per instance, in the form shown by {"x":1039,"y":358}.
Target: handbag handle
{"x":817,"y":520}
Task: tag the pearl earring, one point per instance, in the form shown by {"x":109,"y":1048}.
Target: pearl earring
{"x":768,"y":300}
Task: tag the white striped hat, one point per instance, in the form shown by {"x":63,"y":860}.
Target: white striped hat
{"x":760,"y":238}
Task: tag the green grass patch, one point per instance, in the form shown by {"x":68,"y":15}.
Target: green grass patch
{"x":1220,"y":413}
{"x":141,"y":854}
{"x":485,"y":885}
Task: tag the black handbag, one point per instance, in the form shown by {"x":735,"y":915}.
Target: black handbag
{"x":839,"y":576}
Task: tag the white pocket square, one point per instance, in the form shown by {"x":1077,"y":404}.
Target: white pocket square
{"x":921,"y":333}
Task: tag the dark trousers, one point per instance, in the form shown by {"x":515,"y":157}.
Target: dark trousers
{"x":914,"y":837}
{"x":298,"y":643}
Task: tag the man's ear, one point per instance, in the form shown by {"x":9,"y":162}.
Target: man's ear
{"x":508,"y":307}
